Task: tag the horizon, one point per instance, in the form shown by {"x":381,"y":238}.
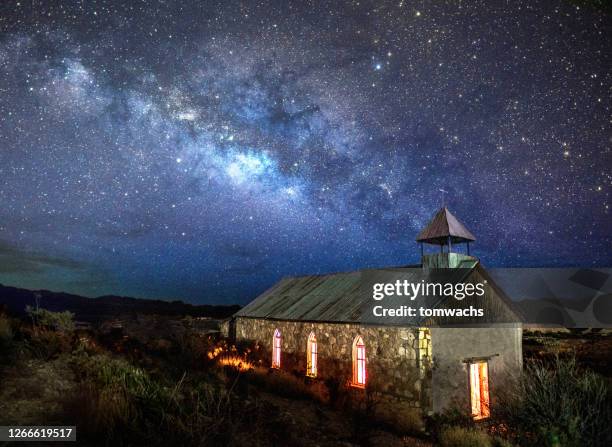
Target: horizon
{"x":514,"y":287}
{"x":206,"y":151}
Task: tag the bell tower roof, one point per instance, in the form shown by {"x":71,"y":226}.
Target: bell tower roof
{"x":445,"y":227}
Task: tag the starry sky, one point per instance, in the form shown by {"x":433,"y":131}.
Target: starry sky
{"x":201,"y":150}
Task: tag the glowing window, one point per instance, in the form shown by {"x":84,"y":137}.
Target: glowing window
{"x":276,"y":349}
{"x":359,"y":363}
{"x":311,"y":356}
{"x":479,"y":390}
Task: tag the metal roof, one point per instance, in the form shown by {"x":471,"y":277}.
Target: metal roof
{"x":444,"y":225}
{"x":341,"y":297}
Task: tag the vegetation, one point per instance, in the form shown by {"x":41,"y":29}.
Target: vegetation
{"x":558,"y":405}
{"x":6,"y":334}
{"x":464,"y":437}
{"x":119,"y":402}
{"x":134,"y":388}
{"x":122,"y":391}
{"x":61,"y":321}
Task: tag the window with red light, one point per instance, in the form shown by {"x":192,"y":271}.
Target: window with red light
{"x":311,"y":356}
{"x":276,"y":349}
{"x":359,"y":363}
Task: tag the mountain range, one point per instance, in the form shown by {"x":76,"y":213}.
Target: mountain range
{"x":15,"y":300}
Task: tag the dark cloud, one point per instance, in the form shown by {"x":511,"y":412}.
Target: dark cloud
{"x":14,"y":260}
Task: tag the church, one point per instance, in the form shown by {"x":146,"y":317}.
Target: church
{"x":318,"y":326}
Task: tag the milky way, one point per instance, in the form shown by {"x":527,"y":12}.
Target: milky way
{"x":202,"y":150}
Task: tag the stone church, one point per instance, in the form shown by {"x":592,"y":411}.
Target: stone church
{"x":314,"y":326}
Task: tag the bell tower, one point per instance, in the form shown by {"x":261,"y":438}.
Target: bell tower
{"x":445,"y":230}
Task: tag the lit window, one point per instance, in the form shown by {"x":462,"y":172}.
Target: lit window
{"x":479,"y":390}
{"x":311,"y":356}
{"x":359,"y":363}
{"x":276,"y":349}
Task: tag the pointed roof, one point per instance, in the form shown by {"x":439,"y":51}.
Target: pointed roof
{"x":443,"y":225}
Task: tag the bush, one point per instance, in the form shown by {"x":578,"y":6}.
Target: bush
{"x":464,"y":437}
{"x":454,"y":417}
{"x":6,"y":336}
{"x":401,"y":418}
{"x":501,"y":442}
{"x":116,"y":397}
{"x":6,"y":329}
{"x":559,"y":405}
{"x":47,"y":344}
{"x":124,"y":404}
{"x":61,"y":321}
{"x":285,"y":384}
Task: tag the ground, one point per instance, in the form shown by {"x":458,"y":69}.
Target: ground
{"x":33,"y":391}
{"x":130,"y":369}
{"x":33,"y":394}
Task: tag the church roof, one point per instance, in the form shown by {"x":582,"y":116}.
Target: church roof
{"x":345,"y":297}
{"x":444,"y":225}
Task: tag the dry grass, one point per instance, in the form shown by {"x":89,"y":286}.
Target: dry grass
{"x":464,"y":437}
{"x":286,"y":384}
{"x":6,"y":330}
{"x":402,"y":418}
{"x":177,"y":390}
{"x":558,"y":403}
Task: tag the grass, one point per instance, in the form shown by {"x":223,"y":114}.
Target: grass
{"x":286,"y":384}
{"x":120,"y":401}
{"x":175,"y":390}
{"x":464,"y":437}
{"x":6,"y":335}
{"x":558,"y":405}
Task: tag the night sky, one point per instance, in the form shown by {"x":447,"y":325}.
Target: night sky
{"x":201,"y":150}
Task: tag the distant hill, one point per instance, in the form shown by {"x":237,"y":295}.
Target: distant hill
{"x":96,"y":309}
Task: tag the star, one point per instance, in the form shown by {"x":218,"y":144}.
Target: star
{"x":174,"y":142}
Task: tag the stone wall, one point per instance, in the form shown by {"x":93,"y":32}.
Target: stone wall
{"x":398,"y":359}
{"x":500,"y":346}
{"x":224,"y":328}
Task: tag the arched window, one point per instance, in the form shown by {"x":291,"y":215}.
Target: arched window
{"x":276,"y":349}
{"x":311,"y":356}
{"x":359,"y":363}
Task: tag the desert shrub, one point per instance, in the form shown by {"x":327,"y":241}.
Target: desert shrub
{"x":46,"y":344}
{"x":98,"y":411}
{"x":61,"y":321}
{"x":116,"y":397}
{"x":111,"y":372}
{"x":251,"y":351}
{"x":400,"y":418}
{"x":10,"y":344}
{"x":283,"y":383}
{"x":6,"y":334}
{"x":199,"y":352}
{"x":464,"y":437}
{"x":208,"y":413}
{"x":558,"y":404}
{"x":452,"y":417}
{"x":501,"y":442}
{"x":192,"y":351}
{"x":124,"y":403}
